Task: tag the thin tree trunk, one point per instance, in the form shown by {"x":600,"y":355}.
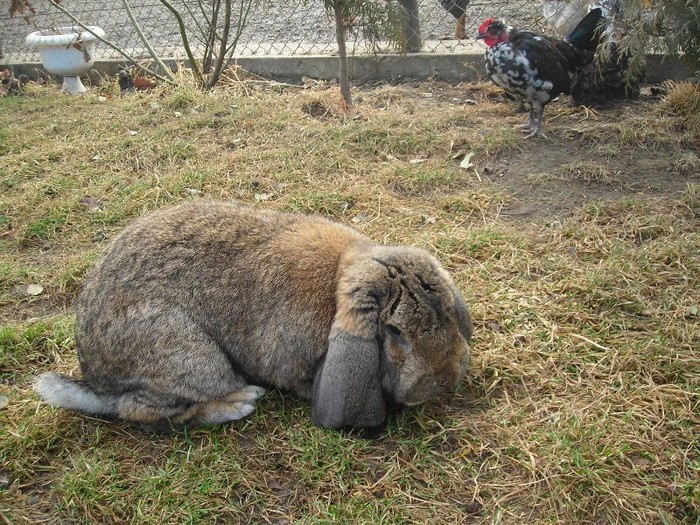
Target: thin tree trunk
{"x":414,"y":41}
{"x":144,"y":40}
{"x":223,"y":44}
{"x":343,"y":79}
{"x":211,"y":39}
{"x":185,"y":43}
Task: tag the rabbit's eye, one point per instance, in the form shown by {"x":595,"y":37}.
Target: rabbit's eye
{"x":393,"y":330}
{"x":398,"y":337}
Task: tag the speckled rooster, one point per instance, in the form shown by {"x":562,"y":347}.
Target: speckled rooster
{"x":535,"y":67}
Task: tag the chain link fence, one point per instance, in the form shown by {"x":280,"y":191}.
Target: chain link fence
{"x":272,"y":28}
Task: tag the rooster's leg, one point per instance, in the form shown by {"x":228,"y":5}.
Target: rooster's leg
{"x":460,"y":27}
{"x":531,"y":125}
{"x":537,"y":128}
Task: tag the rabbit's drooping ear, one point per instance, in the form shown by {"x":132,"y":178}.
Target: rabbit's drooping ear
{"x":463,"y":317}
{"x":348,"y":383}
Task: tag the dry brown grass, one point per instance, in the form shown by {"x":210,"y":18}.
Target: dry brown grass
{"x":583,"y":401}
{"x":683,"y":98}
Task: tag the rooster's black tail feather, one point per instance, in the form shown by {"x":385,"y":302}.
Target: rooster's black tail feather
{"x":586,"y":34}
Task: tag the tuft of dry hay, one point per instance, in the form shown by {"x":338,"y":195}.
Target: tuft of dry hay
{"x":683,"y":98}
{"x":590,"y":172}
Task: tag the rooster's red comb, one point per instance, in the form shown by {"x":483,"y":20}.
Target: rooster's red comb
{"x":485,"y":24}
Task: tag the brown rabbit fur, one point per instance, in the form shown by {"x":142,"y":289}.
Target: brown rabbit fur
{"x":192,"y":305}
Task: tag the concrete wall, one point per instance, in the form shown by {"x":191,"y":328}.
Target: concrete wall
{"x":462,"y":66}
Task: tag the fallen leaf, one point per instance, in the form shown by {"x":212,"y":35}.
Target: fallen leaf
{"x":467,"y":161}
{"x":261,"y":197}
{"x":496,"y":327}
{"x":4,"y":480}
{"x":132,"y":132}
{"x":279,"y":489}
{"x":473,"y":507}
{"x":4,"y":401}
{"x":417,"y":161}
{"x":30,"y":289}
{"x":144,"y":83}
{"x":309,"y":82}
{"x":459,"y":154}
{"x":361,"y":217}
{"x":90,"y":202}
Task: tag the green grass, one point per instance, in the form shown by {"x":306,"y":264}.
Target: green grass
{"x":582,"y":403}
{"x":34,"y":342}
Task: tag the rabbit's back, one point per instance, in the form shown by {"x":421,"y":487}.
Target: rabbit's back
{"x":260,"y":284}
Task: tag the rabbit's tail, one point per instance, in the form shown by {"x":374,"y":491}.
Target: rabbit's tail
{"x":63,"y":391}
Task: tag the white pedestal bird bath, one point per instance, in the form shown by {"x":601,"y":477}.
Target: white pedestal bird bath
{"x":67,"y":51}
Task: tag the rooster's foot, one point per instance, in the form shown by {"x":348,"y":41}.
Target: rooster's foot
{"x":536,"y":133}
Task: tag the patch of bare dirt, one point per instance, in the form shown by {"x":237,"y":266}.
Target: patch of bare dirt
{"x":552,"y":177}
{"x":625,"y":149}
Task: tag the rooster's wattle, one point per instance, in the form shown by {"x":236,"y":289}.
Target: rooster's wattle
{"x":535,"y":67}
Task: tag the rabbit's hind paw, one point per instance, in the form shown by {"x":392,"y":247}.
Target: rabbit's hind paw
{"x":232,"y":407}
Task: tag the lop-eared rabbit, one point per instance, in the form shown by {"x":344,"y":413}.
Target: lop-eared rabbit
{"x":192,"y":307}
